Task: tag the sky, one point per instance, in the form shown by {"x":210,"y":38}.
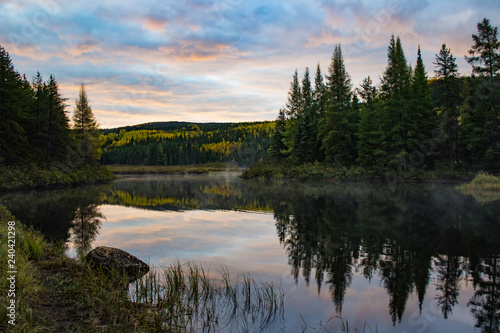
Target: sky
{"x":220,"y":60}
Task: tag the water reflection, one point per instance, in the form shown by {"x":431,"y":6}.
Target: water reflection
{"x":68,"y":216}
{"x":85,"y":227}
{"x":427,"y":240}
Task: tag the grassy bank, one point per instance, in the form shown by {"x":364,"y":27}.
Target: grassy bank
{"x":322,"y":171}
{"x":12,"y":178}
{"x":54,"y":293}
{"x":172,"y":169}
{"x":484,"y":187}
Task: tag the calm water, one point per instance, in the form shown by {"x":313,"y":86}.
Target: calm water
{"x":408,"y":258}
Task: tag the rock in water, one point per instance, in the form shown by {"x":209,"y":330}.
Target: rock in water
{"x":111,"y":258}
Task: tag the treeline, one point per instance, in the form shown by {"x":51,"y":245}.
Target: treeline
{"x":187,"y":143}
{"x":37,"y":144}
{"x":408,"y":122}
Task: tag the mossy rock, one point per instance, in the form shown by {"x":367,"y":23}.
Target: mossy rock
{"x":110,"y":258}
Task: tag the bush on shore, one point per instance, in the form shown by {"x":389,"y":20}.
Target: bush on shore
{"x":34,"y":176}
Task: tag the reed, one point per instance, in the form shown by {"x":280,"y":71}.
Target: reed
{"x":184,"y":297}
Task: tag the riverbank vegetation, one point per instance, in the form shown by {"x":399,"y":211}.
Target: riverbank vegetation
{"x":38,"y":147}
{"x":484,"y":187}
{"x":59,"y":294}
{"x":173,"y":169}
{"x":408,"y":123}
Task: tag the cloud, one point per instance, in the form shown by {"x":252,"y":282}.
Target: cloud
{"x":223,"y":60}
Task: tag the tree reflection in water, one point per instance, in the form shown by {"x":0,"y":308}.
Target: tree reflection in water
{"x":85,"y":227}
{"x":330,"y":232}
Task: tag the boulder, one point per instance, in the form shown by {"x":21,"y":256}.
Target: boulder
{"x":109,"y":258}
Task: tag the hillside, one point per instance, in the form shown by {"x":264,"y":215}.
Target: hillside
{"x":182,"y":143}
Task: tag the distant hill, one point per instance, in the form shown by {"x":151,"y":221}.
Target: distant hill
{"x":174,"y":125}
{"x":181,"y":143}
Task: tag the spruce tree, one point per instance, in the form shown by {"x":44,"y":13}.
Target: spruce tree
{"x":485,"y":53}
{"x":59,"y":133}
{"x":396,"y":95}
{"x":482,"y":123}
{"x":337,"y":130}
{"x":448,"y":102}
{"x":370,"y":135}
{"x":85,"y":127}
{"x":292,"y":109}
{"x":13,"y":137}
{"x":422,"y":116}
{"x":319,"y":102}
{"x":305,"y":138}
{"x":278,"y":146}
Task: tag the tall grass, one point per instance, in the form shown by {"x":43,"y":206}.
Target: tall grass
{"x":29,"y":246}
{"x":183,"y":297}
{"x":484,"y":187}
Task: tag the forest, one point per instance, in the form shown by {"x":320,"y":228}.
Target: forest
{"x":180,"y":143}
{"x":408,"y":122}
{"x":38,"y":146}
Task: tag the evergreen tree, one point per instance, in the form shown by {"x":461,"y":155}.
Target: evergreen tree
{"x":305,"y":137}
{"x":337,"y":130}
{"x":370,"y":134}
{"x":292,"y":109}
{"x":319,"y":102}
{"x":482,"y":123}
{"x":277,"y":144}
{"x":85,"y":127}
{"x":485,"y":53}
{"x":448,"y":101}
{"x":59,"y":133}
{"x":395,"y":93}
{"x":294,"y":102}
{"x":13,"y":137}
{"x":422,"y":114}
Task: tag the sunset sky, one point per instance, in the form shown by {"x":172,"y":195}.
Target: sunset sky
{"x":219,"y":60}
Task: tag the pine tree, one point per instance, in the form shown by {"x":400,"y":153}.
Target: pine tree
{"x":292,"y":109}
{"x":305,"y":137}
{"x":370,"y":134}
{"x":482,"y":128}
{"x":59,"y":133}
{"x":395,"y":94}
{"x":13,"y":137}
{"x":448,"y":101}
{"x":294,"y":102}
{"x":277,"y":145}
{"x":485,"y":53}
{"x":337,"y":132}
{"x":422,"y":115}
{"x":319,"y":102}
{"x":85,"y":127}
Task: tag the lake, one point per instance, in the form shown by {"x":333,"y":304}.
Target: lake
{"x":396,"y":257}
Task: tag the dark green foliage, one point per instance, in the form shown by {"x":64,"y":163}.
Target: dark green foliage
{"x":422,"y":114}
{"x":85,"y":127}
{"x":305,"y":134}
{"x":242,"y":143}
{"x":13,"y":90}
{"x":481,"y":123}
{"x":33,"y":121}
{"x":339,"y":122}
{"x":399,"y":124}
{"x":447,"y":100}
{"x":370,"y":134}
{"x":37,"y":146}
{"x":485,"y":53}
{"x":410,"y":126}
{"x":278,"y":146}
